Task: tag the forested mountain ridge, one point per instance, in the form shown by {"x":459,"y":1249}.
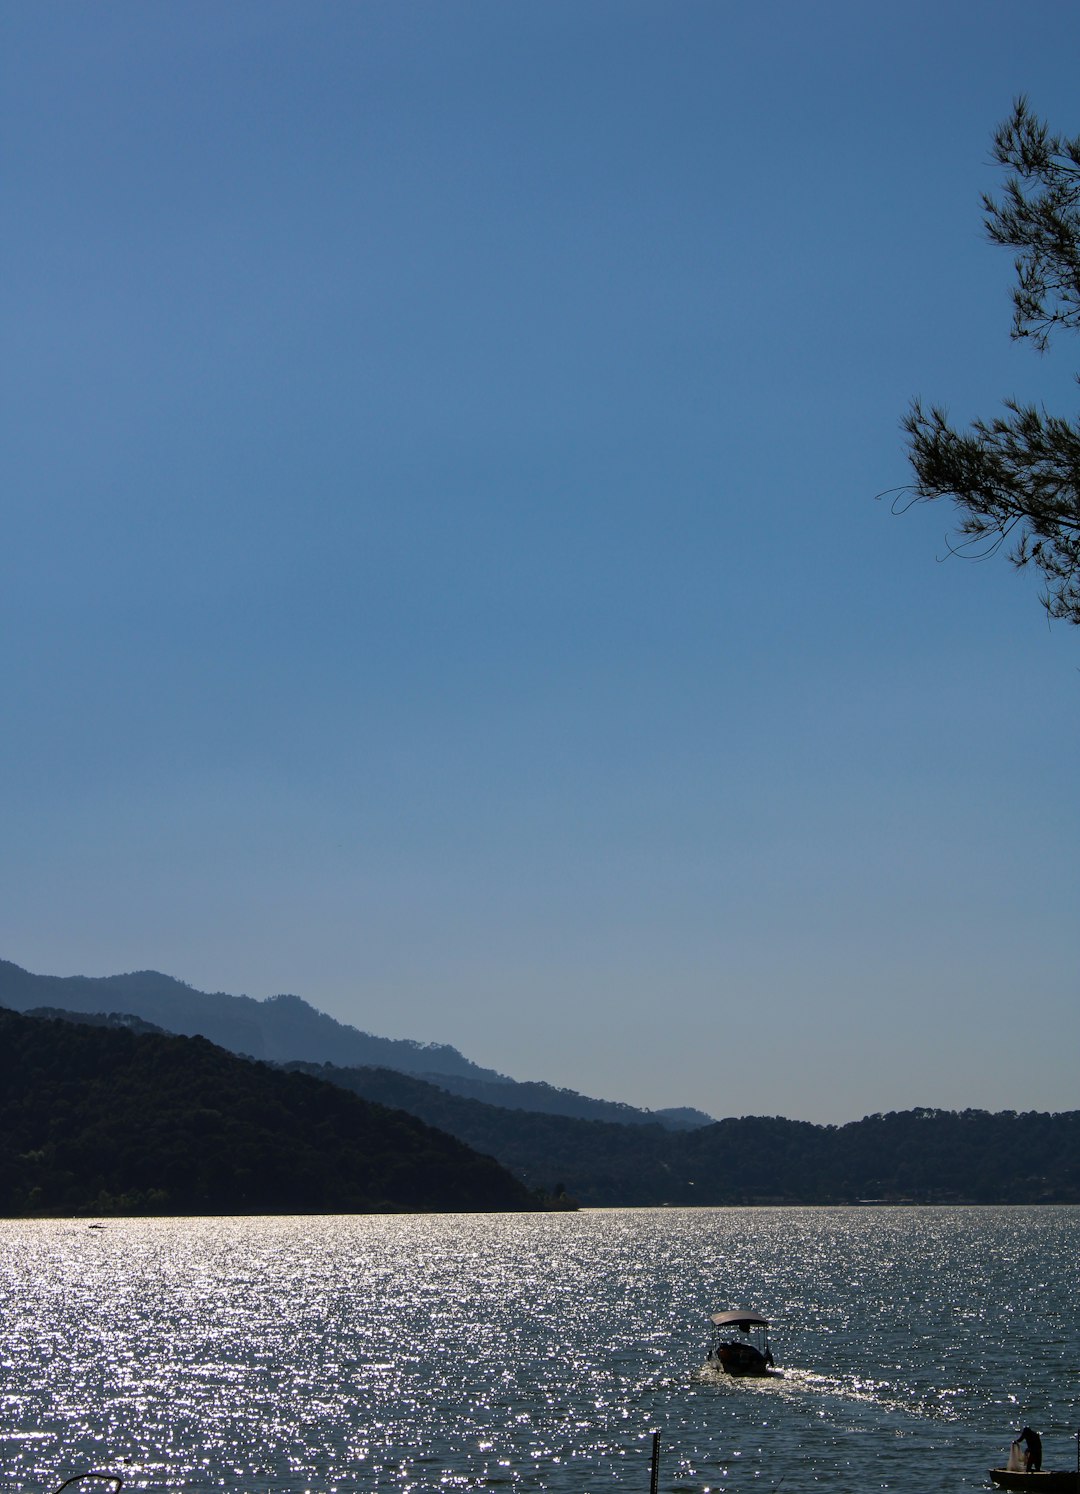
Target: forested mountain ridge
{"x":284,"y":1028}
{"x":100,"y":1119}
{"x":607,"y":1154}
{"x":922,"y":1155}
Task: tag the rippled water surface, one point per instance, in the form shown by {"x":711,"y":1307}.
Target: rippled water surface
{"x":537,"y":1352}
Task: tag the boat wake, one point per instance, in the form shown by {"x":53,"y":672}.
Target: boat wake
{"x":797,"y":1384}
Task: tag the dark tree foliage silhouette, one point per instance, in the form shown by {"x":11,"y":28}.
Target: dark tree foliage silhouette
{"x":925,"y":1156}
{"x":1016,"y":479}
{"x":100,"y":1120}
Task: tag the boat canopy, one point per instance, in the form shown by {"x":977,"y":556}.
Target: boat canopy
{"x":743,"y":1321}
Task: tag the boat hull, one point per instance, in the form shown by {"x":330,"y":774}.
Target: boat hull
{"x":1049,"y":1480}
{"x":743,"y":1359}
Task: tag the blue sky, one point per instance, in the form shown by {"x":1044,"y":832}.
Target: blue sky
{"x":442,"y":575}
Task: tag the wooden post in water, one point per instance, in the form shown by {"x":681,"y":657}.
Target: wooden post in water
{"x":654,"y":1479}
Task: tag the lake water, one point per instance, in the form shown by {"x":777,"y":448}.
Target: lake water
{"x":537,"y":1352}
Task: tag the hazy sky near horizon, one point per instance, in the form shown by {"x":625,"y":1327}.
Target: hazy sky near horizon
{"x":442,"y":575}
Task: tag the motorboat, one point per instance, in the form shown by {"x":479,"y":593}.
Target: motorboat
{"x":747,"y":1355}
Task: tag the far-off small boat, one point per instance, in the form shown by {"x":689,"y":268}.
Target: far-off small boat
{"x":749,"y":1355}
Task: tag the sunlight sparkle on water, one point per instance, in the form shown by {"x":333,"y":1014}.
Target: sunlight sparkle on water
{"x":272,"y":1356}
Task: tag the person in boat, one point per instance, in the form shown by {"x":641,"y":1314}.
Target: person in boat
{"x":1032,"y":1444}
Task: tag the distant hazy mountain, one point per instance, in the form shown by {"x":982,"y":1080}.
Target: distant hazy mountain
{"x":286,"y":1028}
{"x":683,"y":1118}
{"x":94,"y":1019}
{"x":546,"y":1099}
{"x":279,"y":1028}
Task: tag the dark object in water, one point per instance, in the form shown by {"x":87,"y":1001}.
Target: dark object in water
{"x":112,"y":1478}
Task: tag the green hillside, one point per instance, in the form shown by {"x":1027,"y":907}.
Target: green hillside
{"x":102,"y":1119}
